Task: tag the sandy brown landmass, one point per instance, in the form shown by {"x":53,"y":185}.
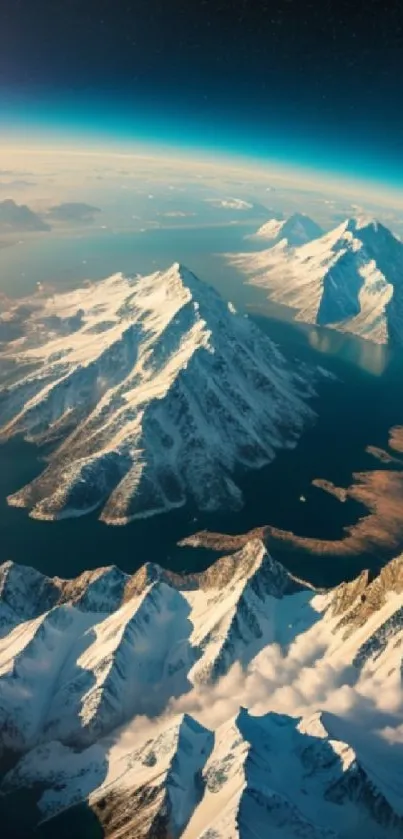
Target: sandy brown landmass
{"x":383,"y":455}
{"x":378,"y":532}
{"x":339,"y":492}
{"x":396,"y":438}
{"x":381,"y":530}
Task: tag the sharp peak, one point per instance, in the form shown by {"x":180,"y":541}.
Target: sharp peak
{"x":9,"y":567}
{"x":181,"y":276}
{"x":297,"y":215}
{"x":284,"y":221}
{"x":250,"y":562}
{"x":356,"y":600}
{"x":295,"y":224}
{"x":357,"y":227}
{"x":253,"y":545}
{"x":361,"y":222}
{"x":248,"y":557}
{"x":150,"y":574}
{"x":188,"y":723}
{"x":176,"y":268}
{"x":247,"y":722}
{"x":183,"y":723}
{"x":243,"y":714}
{"x":180,"y":272}
{"x":251,"y":559}
{"x":180,"y":267}
{"x":255,"y":550}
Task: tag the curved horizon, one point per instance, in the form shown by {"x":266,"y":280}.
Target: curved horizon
{"x":29,"y":120}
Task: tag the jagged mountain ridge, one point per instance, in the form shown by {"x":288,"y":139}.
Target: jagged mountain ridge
{"x":154,"y":392}
{"x":92,"y":654}
{"x":350,"y":279}
{"x":209,"y":620}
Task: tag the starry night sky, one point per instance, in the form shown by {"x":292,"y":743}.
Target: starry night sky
{"x":315,"y":82}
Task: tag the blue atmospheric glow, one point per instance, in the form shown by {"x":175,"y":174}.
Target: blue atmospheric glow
{"x":199,"y":128}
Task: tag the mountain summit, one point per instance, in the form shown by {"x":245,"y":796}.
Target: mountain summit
{"x":296,"y":230}
{"x":350,"y":279}
{"x":154,"y":392}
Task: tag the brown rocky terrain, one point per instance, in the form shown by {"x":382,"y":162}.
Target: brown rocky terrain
{"x":380,"y":532}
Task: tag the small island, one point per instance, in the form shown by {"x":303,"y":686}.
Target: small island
{"x":382,"y":455}
{"x":339,"y":492}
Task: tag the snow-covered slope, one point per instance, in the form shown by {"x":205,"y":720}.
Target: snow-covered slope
{"x":296,"y":230}
{"x":350,"y":279}
{"x":156,"y":392}
{"x":275,"y":775}
{"x":101,"y":665}
{"x":126,"y":709}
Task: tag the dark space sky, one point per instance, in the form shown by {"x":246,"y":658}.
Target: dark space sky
{"x":319,"y":80}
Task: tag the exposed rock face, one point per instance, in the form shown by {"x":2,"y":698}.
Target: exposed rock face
{"x":155,"y":394}
{"x":368,"y":597}
{"x":83,"y":661}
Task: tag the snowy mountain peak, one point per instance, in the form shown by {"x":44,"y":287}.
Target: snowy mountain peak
{"x":153,"y":392}
{"x":361,"y":599}
{"x":178,"y":283}
{"x":181,"y":272}
{"x":188,"y":722}
{"x":267,"y":708}
{"x":350,"y":279}
{"x":291,"y":232}
{"x":361,"y":222}
{"x":251,"y":564}
{"x":98,"y":591}
{"x":25,"y":592}
{"x":178,"y":278}
{"x":366,"y":230}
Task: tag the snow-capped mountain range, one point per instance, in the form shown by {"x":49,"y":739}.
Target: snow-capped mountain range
{"x":297,"y":229}
{"x":350,"y":279}
{"x":120,"y":702}
{"x":153,"y":392}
